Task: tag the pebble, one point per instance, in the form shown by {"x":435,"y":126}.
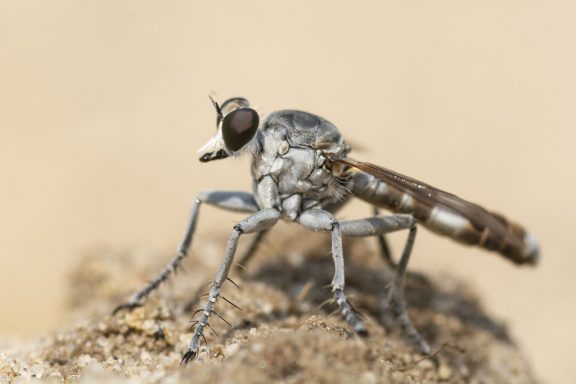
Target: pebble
{"x":444,"y":373}
{"x":231,"y":349}
{"x":369,"y":378}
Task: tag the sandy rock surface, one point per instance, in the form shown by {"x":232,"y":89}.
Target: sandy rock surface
{"x":283,"y":334}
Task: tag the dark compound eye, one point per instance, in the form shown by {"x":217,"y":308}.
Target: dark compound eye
{"x":239,"y":127}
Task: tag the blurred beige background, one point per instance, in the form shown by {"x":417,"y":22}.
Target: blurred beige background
{"x":103,"y":105}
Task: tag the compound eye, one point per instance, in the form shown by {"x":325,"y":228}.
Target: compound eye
{"x":239,"y":127}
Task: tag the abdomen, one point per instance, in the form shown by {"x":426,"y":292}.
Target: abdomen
{"x":491,"y":231}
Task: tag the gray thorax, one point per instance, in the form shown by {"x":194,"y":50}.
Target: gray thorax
{"x":290,"y":172}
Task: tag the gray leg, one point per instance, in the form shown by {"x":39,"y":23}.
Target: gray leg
{"x":377,"y":226}
{"x":397,"y":300}
{"x":260,"y":221}
{"x":385,"y":252}
{"x":232,"y":201}
{"x":320,"y":220}
{"x":251,"y":251}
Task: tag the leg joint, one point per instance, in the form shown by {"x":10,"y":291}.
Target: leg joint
{"x":259,"y":221}
{"x":317,"y":220}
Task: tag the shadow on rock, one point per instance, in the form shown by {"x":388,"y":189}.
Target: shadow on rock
{"x":367,"y":289}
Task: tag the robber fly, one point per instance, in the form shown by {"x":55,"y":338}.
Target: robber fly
{"x":301,"y":173}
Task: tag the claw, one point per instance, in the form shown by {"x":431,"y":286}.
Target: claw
{"x":362,"y":332}
{"x":126,"y":306}
{"x":188,"y":356}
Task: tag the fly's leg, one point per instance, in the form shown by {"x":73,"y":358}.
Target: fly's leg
{"x":251,"y":251}
{"x":260,"y":221}
{"x":377,"y":226}
{"x":346,"y":309}
{"x":385,"y":251}
{"x":397,"y":300}
{"x":232,"y":201}
{"x":320,"y":220}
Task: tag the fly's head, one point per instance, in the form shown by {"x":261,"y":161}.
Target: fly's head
{"x":237,"y":125}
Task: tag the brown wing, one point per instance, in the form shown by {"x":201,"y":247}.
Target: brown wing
{"x":494,"y":231}
{"x":424,"y":193}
